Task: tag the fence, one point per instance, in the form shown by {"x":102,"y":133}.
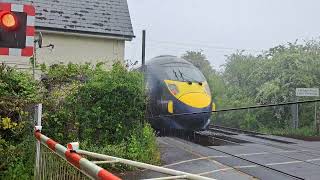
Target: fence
{"x":54,"y":161}
{"x":58,"y":162}
{"x":52,"y":166}
{"x":301,"y":118}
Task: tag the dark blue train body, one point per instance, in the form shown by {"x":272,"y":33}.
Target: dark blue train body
{"x":177,"y":87}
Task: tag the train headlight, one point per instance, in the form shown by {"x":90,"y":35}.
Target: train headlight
{"x":207,"y":89}
{"x":214,"y":107}
{"x":173,"y":89}
{"x":170,"y":107}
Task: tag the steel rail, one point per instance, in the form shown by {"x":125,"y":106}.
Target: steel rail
{"x":221,"y":139}
{"x":277,"y":146}
{"x":311,"y":151}
{"x":217,"y":138}
{"x":255,"y":163}
{"x":258,"y":164}
{"x":235,"y":130}
{"x":143,"y":165}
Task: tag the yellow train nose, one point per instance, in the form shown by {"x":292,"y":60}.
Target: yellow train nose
{"x":196,"y":100}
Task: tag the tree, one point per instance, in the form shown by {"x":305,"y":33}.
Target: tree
{"x":272,"y":77}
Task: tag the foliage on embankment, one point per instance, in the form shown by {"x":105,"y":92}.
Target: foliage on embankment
{"x":18,"y":91}
{"x":104,"y":110}
{"x":266,"y":78}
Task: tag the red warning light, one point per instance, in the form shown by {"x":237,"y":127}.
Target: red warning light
{"x":8,"y":20}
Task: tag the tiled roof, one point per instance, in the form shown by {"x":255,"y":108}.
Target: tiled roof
{"x":101,"y":17}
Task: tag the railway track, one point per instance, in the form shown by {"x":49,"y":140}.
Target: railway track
{"x":274,"y":158}
{"x":233,"y":130}
{"x":311,"y":152}
{"x":214,"y":140}
{"x":258,"y":164}
{"x":220,"y":135}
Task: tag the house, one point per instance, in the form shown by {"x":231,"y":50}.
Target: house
{"x":81,"y":31}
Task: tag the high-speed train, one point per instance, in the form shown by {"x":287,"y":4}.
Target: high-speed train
{"x":178,"y":94}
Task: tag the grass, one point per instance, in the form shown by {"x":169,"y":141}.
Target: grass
{"x":302,"y":132}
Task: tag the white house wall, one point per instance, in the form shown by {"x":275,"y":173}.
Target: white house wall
{"x":79,"y":49}
{"x":75,"y":49}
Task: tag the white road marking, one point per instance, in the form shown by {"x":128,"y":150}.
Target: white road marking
{"x":251,"y":154}
{"x":217,"y":170}
{"x":281,"y":163}
{"x":263,"y":153}
{"x":209,"y":157}
{"x":196,"y":159}
{"x":311,"y":160}
{"x":247,"y":166}
{"x":161,"y":141}
{"x":194,"y":153}
{"x":226,"y":168}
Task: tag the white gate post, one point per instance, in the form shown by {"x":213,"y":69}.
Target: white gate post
{"x":37,"y":119}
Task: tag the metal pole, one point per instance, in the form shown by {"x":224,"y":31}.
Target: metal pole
{"x":34,"y":60}
{"x":143,"y":50}
{"x":295,"y":114}
{"x":315,"y":114}
{"x":37,"y":118}
{"x":144,"y":165}
{"x":297,"y":117}
{"x":317,"y":119}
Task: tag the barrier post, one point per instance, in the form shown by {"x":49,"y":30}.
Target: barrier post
{"x":37,"y":120}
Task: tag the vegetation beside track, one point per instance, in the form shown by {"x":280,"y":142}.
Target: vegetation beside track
{"x":103,"y":110}
{"x":18,"y":91}
{"x":270,"y":77}
{"x":300,"y":133}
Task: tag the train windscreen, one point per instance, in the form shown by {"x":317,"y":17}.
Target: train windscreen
{"x":184,"y":73}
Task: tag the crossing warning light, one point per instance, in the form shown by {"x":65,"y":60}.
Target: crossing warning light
{"x":8,"y":20}
{"x":16,"y":29}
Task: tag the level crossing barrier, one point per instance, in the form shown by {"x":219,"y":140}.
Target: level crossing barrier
{"x":58,"y":162}
{"x":104,"y":159}
{"x":54,"y":161}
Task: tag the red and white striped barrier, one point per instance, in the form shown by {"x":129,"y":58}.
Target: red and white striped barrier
{"x":75,"y":159}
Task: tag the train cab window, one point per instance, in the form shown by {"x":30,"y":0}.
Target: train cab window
{"x":184,"y":73}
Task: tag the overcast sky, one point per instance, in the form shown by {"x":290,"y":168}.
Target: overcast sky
{"x":220,"y":27}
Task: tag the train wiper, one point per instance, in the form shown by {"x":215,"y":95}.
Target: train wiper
{"x":181,"y":75}
{"x":175,"y":73}
{"x":190,"y":78}
{"x":189,"y":82}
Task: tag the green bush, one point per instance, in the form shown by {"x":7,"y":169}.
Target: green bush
{"x":110,"y":106}
{"x":104,"y":110}
{"x":18,"y":91}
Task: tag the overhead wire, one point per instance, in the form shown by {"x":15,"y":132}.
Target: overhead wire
{"x":202,"y":44}
{"x":240,"y":108}
{"x":180,"y":47}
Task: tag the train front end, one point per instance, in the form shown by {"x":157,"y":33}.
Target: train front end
{"x":180,"y":96}
{"x":189,"y":106}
